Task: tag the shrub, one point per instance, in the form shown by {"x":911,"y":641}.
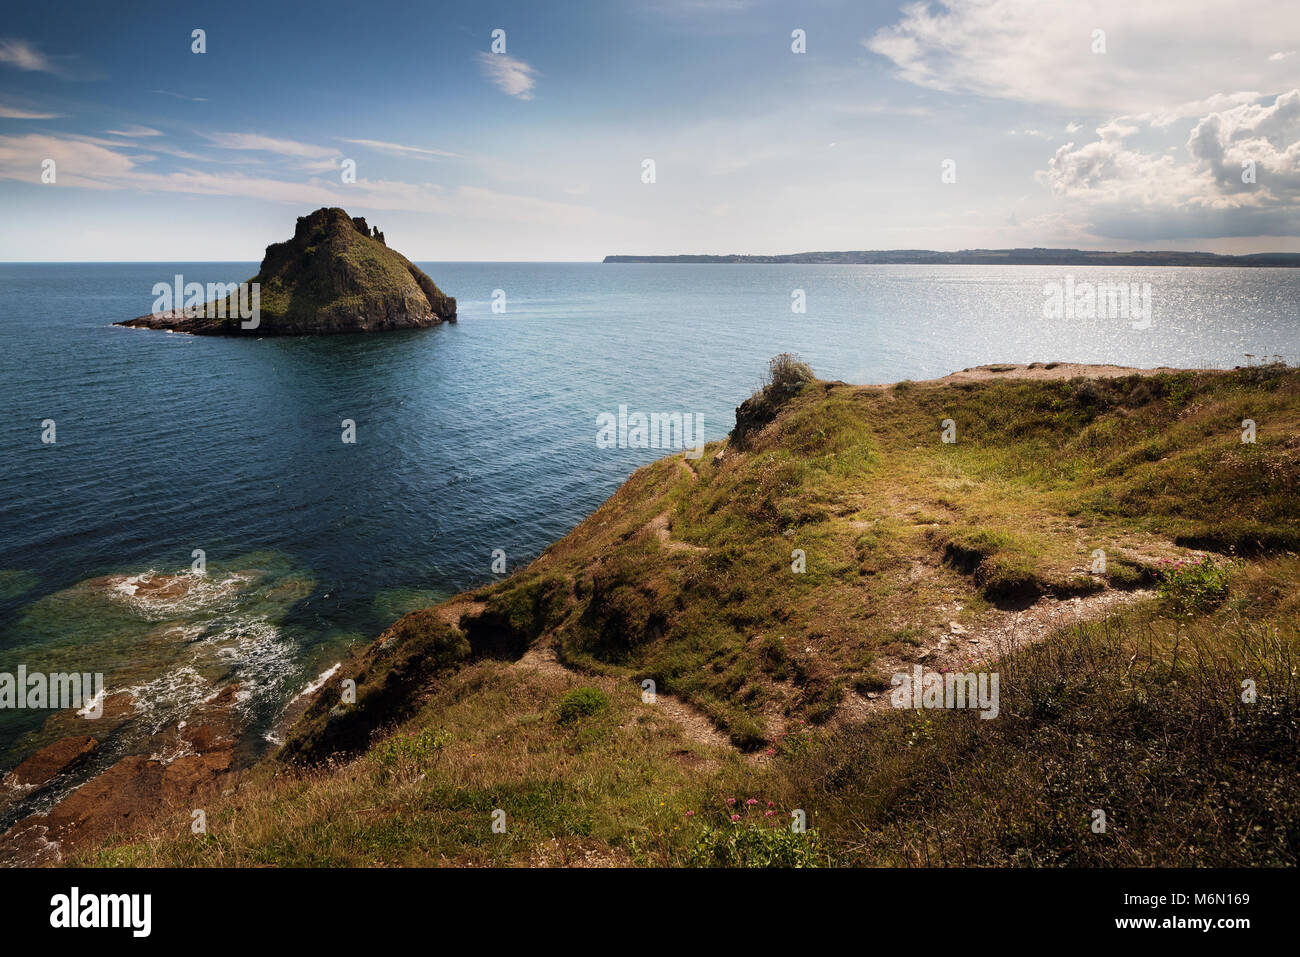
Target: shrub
{"x":755,"y":835}
{"x":581,"y":703}
{"x":786,"y":375}
{"x":414,"y":750}
{"x":1194,"y":584}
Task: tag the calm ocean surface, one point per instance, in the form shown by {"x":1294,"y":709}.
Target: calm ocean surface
{"x":470,"y":437}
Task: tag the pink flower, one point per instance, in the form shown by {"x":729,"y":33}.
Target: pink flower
{"x":770,"y":804}
{"x":768,"y":813}
{"x":770,"y":752}
{"x":731,"y":800}
{"x":735,"y":817}
{"x":690,"y":814}
{"x":751,"y":802}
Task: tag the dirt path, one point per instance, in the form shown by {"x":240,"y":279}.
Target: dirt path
{"x":451,"y":612}
{"x":969,"y":648}
{"x":1042,"y":370}
{"x":661,"y":526}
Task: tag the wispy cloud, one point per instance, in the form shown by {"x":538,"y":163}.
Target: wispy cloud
{"x":397,"y":149}
{"x":1034,"y":52}
{"x":88,"y":164}
{"x":511,"y":75}
{"x":181,"y":96}
{"x":131,"y":132}
{"x":269,"y":144}
{"x":8,"y":112}
{"x":306,"y":156}
{"x":25,"y":56}
{"x":1281,"y":55}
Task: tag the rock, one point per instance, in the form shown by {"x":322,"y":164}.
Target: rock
{"x":51,"y":761}
{"x":956,"y":628}
{"x":335,"y":275}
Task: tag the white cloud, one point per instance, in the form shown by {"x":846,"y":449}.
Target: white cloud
{"x":132,"y":132}
{"x":1219,"y":101}
{"x":397,"y":149}
{"x":270,"y":144}
{"x":86,"y":163}
{"x":25,"y":56}
{"x":182,"y":96}
{"x":1158,"y":52}
{"x":511,"y":75}
{"x":1281,"y":56}
{"x":8,"y":112}
{"x":1112,"y":179}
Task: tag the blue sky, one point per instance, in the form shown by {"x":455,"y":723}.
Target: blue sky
{"x":537,"y":153}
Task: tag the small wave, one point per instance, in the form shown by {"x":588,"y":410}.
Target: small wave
{"x":314,"y":686}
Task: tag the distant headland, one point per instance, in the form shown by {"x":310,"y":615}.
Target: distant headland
{"x":986,"y":257}
{"x":336,"y":274}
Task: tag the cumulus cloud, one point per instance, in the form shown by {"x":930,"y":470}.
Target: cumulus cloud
{"x":1123,"y":182}
{"x":511,"y":75}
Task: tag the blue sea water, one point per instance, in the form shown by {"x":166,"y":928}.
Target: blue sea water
{"x":469,"y":437}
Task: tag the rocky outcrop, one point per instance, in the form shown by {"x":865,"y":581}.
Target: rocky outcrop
{"x":335,"y":275}
{"x":51,"y":761}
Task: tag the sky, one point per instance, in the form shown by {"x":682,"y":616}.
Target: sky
{"x":953,"y":124}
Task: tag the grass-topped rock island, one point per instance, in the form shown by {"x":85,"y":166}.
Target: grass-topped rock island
{"x":336,"y":274}
{"x":716,"y":651}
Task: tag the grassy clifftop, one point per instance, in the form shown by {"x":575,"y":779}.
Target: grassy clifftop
{"x":1109,"y":546}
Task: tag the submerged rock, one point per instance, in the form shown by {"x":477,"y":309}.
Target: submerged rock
{"x":335,"y":275}
{"x":51,"y":761}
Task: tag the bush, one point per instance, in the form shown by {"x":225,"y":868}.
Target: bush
{"x":413,"y":751}
{"x":786,"y":375}
{"x":581,"y":703}
{"x":1195,"y":584}
{"x":754,"y":836}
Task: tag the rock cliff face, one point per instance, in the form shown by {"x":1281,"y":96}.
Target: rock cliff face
{"x":334,"y":275}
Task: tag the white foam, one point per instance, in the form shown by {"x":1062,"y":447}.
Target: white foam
{"x":201,"y":592}
{"x":314,"y":686}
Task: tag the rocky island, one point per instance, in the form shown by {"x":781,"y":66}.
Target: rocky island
{"x":335,"y":275}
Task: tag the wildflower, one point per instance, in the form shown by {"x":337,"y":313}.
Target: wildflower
{"x":770,"y":804}
{"x":731,"y":800}
{"x":735,"y":817}
{"x":751,"y":802}
{"x":768,"y":813}
{"x":690,"y":814}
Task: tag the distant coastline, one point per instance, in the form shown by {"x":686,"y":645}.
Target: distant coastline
{"x":987,"y":257}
